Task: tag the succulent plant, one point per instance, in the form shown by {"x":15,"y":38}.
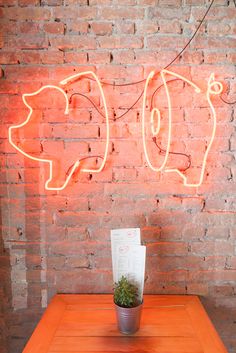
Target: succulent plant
{"x":126,"y":293}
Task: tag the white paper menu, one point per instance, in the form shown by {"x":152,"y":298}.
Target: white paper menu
{"x":130,"y":262}
{"x":128,"y":256}
{"x":120,"y":236}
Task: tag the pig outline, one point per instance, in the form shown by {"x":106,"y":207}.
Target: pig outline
{"x":211,"y":90}
{"x":66,"y":112}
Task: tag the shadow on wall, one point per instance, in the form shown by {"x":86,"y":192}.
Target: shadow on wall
{"x":5,"y":295}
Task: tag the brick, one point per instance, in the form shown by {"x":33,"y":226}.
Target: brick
{"x":25,"y":13}
{"x":193,"y":57}
{"x":85,"y":13}
{"x":111,"y":13}
{"x":202,"y":42}
{"x":162,"y":217}
{"x":72,"y":42}
{"x":169,"y":27}
{"x":126,"y":2}
{"x":231,"y":57}
{"x":163,"y":41}
{"x":124,"y":174}
{"x":51,"y":2}
{"x":195,"y":2}
{"x":77,"y":26}
{"x":29,"y":2}
{"x":54,"y":28}
{"x":125,"y":42}
{"x":147,"y":27}
{"x":75,"y":262}
{"x":8,"y":88}
{"x":169,"y":13}
{"x":27,"y":42}
{"x":123,"y":57}
{"x":28,"y":56}
{"x":27,"y":73}
{"x":52,"y":57}
{"x":8,"y":2}
{"x":167,"y":249}
{"x":101,"y":28}
{"x":197,"y":288}
{"x":220,"y":247}
{"x":99,"y":57}
{"x":29,"y":27}
{"x":76,"y":2}
{"x":170,"y":3}
{"x":220,"y":29}
{"x":100,"y":2}
{"x":125,"y":27}
{"x":219,"y":13}
{"x":76,"y":57}
{"x":146,"y":2}
{"x":193,"y":204}
{"x":171,"y":233}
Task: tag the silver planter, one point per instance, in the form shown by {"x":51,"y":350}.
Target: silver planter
{"x":128,"y":319}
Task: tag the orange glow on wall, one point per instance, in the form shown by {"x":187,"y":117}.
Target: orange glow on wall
{"x":213,"y":88}
{"x":153,"y":119}
{"x":49,"y":161}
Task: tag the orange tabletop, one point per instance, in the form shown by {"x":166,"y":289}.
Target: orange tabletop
{"x":87,"y":323}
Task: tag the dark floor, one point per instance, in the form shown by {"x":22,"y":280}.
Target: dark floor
{"x":224,"y":320}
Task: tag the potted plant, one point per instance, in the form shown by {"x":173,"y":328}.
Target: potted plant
{"x":128,"y":306}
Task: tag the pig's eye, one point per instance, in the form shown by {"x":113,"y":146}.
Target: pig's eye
{"x":155,"y":121}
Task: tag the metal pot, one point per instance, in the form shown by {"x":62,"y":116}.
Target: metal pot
{"x":128,"y":319}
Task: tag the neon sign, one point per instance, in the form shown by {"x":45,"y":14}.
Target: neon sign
{"x":213,"y":88}
{"x":153,"y":120}
{"x":66,"y":112}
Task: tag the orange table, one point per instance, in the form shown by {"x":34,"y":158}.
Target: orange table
{"x":87,"y":323}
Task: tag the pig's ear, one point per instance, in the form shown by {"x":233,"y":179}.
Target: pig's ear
{"x":165,"y":72}
{"x":211,"y":78}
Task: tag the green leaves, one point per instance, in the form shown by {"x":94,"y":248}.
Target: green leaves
{"x":125,"y":293}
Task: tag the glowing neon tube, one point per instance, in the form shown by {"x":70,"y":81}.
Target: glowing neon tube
{"x":50,"y":162}
{"x":214,"y":88}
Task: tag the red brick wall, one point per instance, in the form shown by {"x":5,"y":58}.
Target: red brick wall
{"x":59,"y":241}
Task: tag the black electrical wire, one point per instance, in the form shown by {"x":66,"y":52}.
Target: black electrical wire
{"x":157,"y":89}
{"x":162,"y":151}
{"x":90,"y":100}
{"x":190,"y":40}
{"x":223,"y":100}
{"x":95,"y":106}
{"x":152,"y":98}
{"x":128,"y":109}
{"x":177,"y":56}
{"x":82,"y":159}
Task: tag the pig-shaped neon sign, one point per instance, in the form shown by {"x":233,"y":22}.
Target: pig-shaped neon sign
{"x":76,"y":164}
{"x":153,"y":120}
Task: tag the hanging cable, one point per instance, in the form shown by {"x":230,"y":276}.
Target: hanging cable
{"x":157,"y":89}
{"x":223,"y":100}
{"x":190,"y":40}
{"x":162,"y":151}
{"x":82,"y":159}
{"x":95,"y":106}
